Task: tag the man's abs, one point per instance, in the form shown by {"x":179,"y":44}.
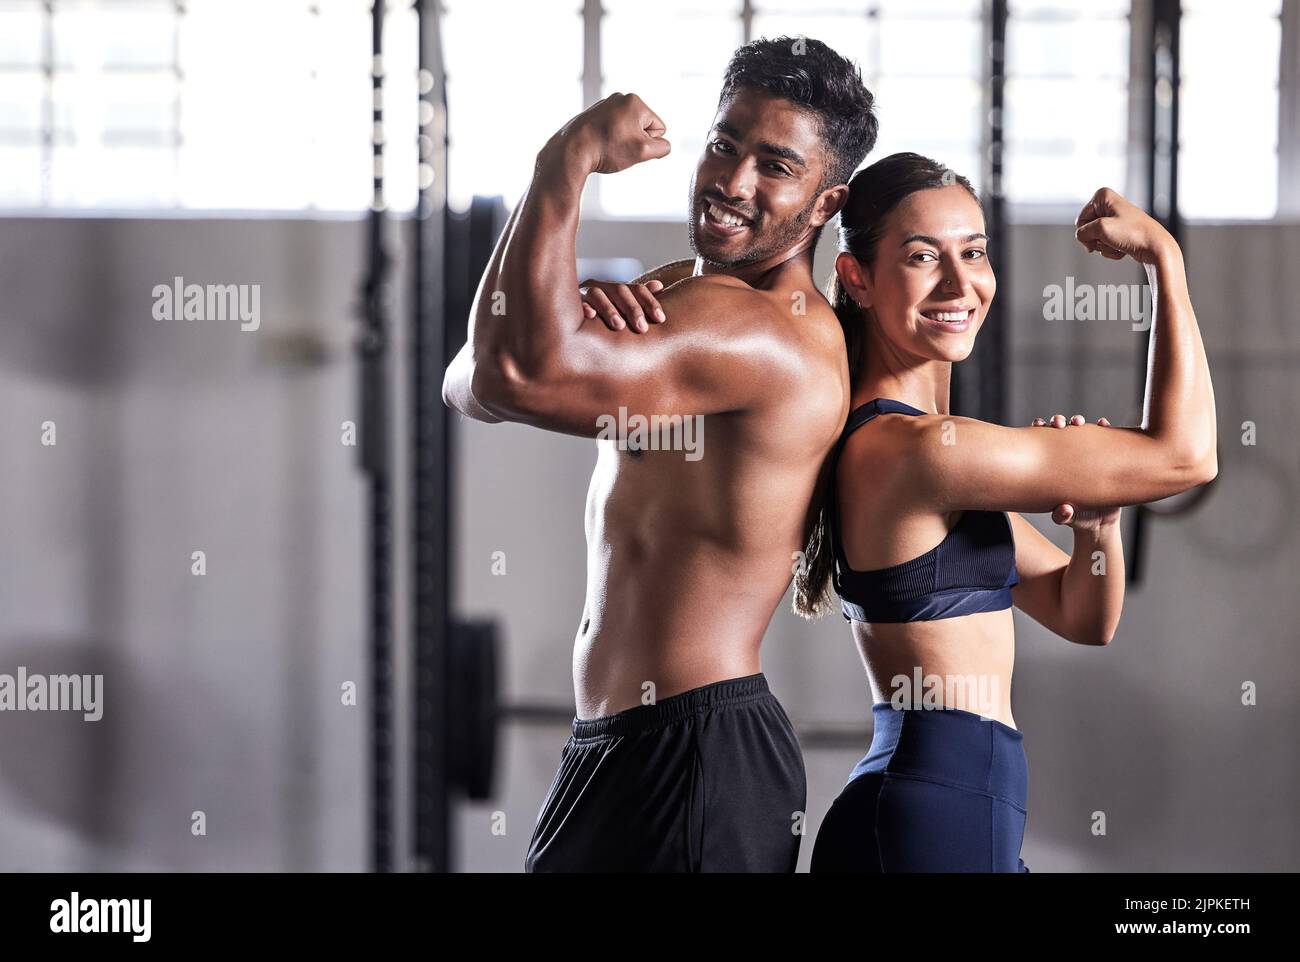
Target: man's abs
{"x":686,"y":562}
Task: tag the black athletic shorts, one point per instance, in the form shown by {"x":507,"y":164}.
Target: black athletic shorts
{"x":711,"y":780}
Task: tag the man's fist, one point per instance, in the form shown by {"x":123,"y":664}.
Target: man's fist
{"x":616,"y":133}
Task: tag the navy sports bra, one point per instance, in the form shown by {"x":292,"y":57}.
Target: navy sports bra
{"x":972,"y":569}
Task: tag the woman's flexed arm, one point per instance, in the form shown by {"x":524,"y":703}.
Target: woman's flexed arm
{"x":960,"y":463}
{"x":1179,"y":402}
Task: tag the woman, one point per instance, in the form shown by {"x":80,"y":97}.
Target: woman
{"x":921,"y":532}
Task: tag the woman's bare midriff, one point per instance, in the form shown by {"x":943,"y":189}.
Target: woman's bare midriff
{"x":963,"y":662}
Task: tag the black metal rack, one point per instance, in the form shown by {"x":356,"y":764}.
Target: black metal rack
{"x":374,"y":450}
{"x":431,"y":457}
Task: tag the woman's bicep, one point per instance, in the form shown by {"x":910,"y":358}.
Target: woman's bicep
{"x":1036,"y":554}
{"x":1040,"y":565}
{"x":962,"y":463}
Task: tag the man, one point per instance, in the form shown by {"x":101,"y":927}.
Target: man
{"x":681,"y":758}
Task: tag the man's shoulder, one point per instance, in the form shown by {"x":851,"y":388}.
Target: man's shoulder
{"x":793,"y":330}
{"x":710,"y":285}
{"x":807,"y":325}
{"x":790,"y":314}
{"x":724,"y":304}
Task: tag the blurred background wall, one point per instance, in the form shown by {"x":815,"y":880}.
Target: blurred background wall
{"x":230,"y":143}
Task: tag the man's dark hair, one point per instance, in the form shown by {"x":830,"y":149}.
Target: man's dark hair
{"x":813,"y":76}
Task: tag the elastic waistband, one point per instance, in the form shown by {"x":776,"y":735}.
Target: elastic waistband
{"x":950,"y":746}
{"x":949,"y":603}
{"x":674,"y":708}
{"x":955,"y":715}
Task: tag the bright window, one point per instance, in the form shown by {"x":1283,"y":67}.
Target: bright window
{"x":672,"y":55}
{"x":1065,"y":99}
{"x":201,"y":104}
{"x":266,"y":104}
{"x":510,"y":85}
{"x":920,"y":59}
{"x":1229,"y":57}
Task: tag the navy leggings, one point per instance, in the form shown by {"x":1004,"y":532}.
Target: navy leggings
{"x":940,"y":790}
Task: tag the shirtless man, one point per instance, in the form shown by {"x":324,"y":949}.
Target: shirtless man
{"x":681,"y":758}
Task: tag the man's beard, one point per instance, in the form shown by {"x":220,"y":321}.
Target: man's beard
{"x":778,"y":237}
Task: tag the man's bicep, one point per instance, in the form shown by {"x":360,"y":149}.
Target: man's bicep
{"x":721,"y":350}
{"x":717,"y":353}
{"x":698,"y":365}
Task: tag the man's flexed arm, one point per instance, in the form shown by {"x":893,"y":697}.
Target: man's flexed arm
{"x":527,"y":302}
{"x":536,"y":357}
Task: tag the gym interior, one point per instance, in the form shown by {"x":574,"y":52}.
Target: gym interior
{"x":329,"y":621}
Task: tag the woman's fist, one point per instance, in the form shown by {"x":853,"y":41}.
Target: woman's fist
{"x":1113,"y":227}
